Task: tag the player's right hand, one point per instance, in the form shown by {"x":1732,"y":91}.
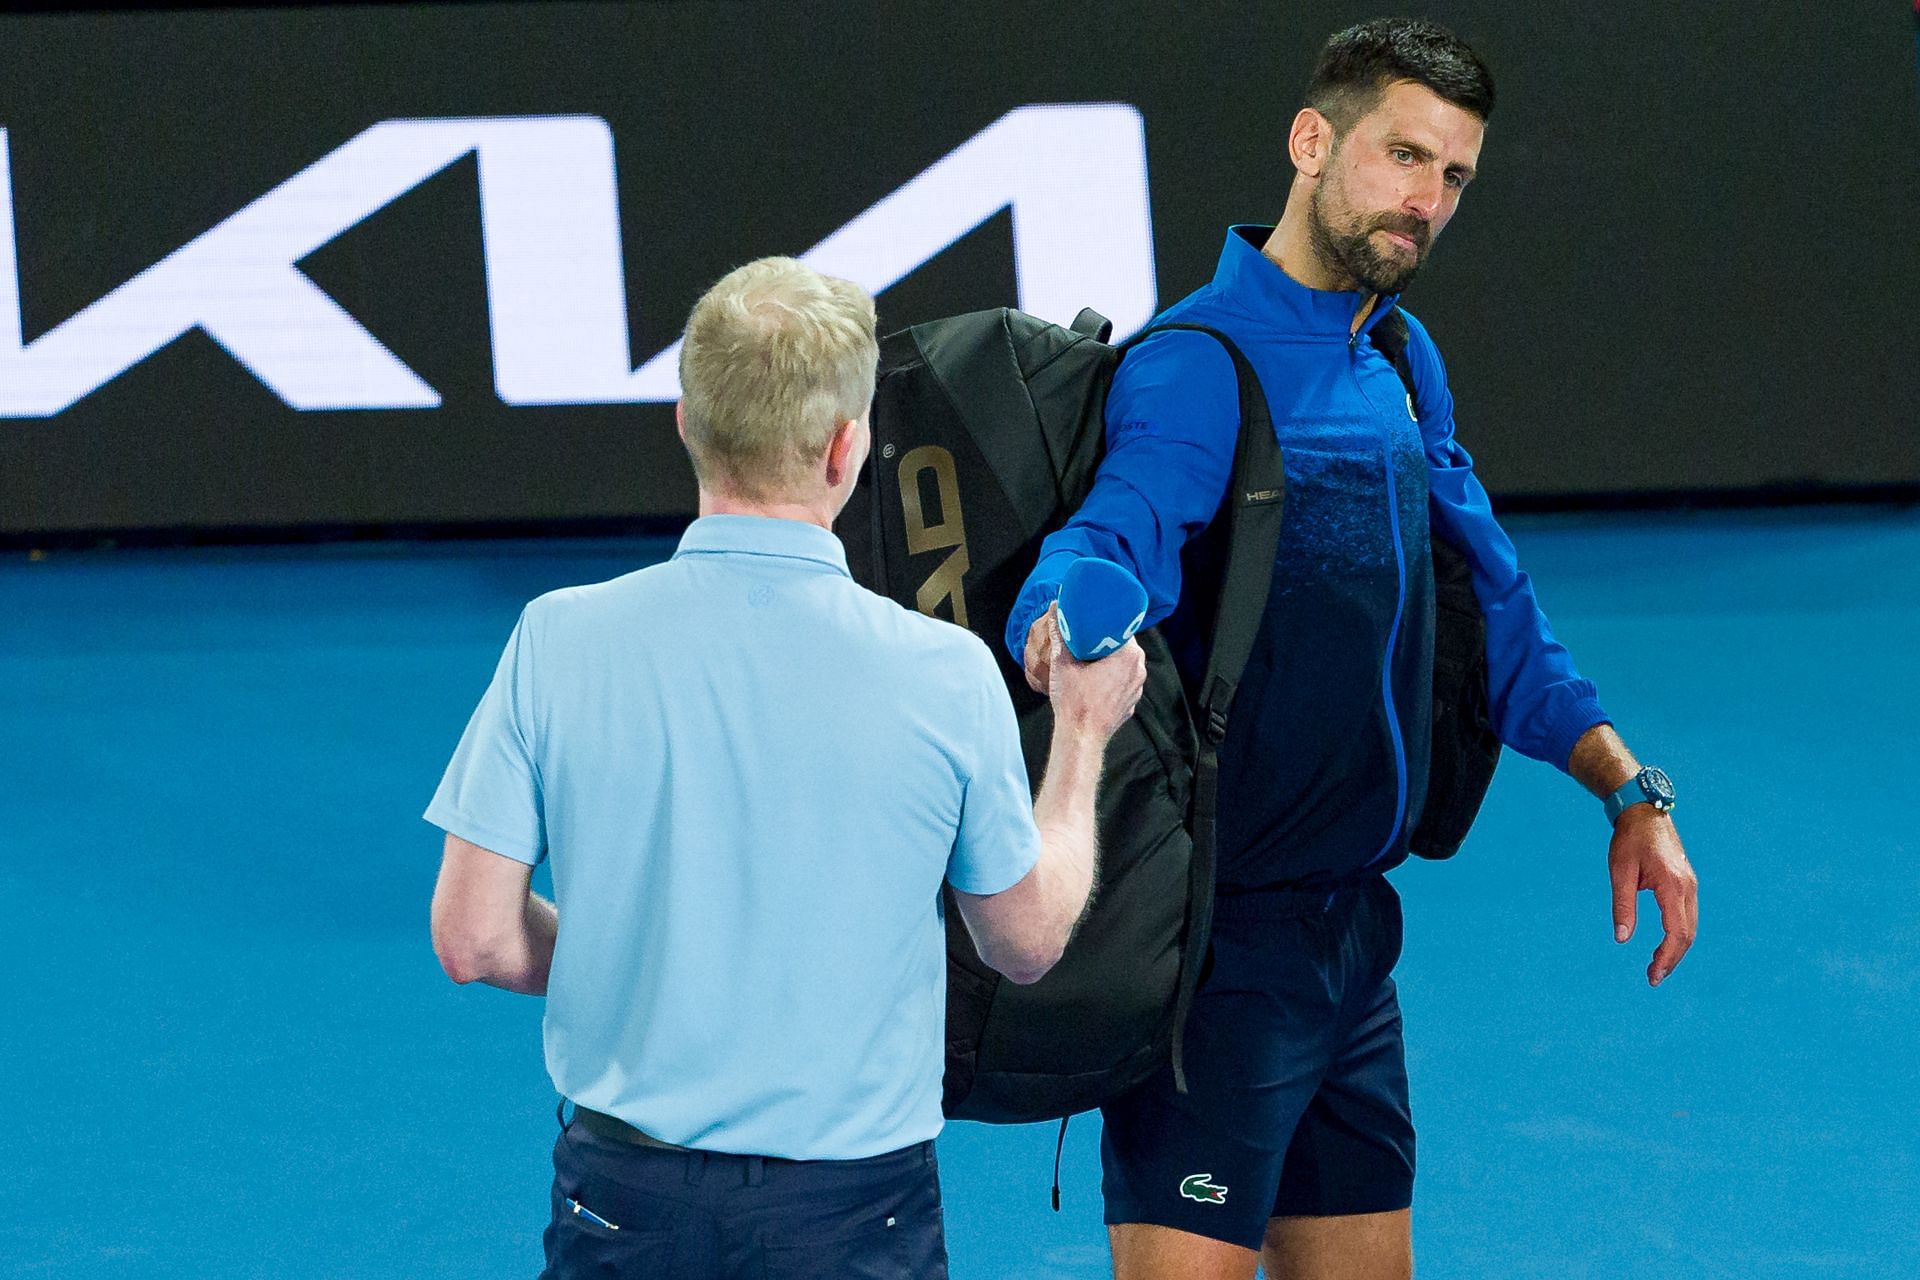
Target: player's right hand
{"x":1098,"y":696}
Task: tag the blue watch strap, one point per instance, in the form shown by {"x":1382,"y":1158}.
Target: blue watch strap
{"x":1649,"y":786}
{"x":1630,"y":792}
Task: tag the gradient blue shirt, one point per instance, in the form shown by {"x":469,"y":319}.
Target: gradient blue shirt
{"x":751,"y":776}
{"x":1325,"y":763}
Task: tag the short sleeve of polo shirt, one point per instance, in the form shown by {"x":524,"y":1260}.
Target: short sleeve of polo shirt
{"x":997,"y":843}
{"x":490,"y":794}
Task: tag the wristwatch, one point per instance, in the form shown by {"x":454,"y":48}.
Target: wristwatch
{"x":1649,"y":786}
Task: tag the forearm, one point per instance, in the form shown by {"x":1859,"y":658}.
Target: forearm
{"x":1064,"y":813}
{"x":515,"y":960}
{"x":528,"y":956}
{"x":532,"y":954}
{"x":1600,"y":761}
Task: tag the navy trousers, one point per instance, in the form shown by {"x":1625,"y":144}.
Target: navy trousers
{"x":623,"y":1212}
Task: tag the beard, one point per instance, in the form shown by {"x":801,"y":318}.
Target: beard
{"x":1343,"y":239}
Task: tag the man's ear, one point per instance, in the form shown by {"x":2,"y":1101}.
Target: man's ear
{"x":843,"y":452}
{"x":680,"y":418}
{"x":1310,"y":142}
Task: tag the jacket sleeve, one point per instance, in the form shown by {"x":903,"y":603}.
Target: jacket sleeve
{"x":1541,"y":703}
{"x":1172,"y":418}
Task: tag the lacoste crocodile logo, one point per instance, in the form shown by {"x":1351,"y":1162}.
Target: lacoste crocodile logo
{"x":1196,"y":1187}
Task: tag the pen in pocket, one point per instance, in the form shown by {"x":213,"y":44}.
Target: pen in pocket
{"x":590,"y":1215}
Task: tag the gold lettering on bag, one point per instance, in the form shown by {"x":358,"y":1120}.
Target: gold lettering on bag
{"x":946,"y":582}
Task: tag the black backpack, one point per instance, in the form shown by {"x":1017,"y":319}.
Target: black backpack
{"x":987,"y":429}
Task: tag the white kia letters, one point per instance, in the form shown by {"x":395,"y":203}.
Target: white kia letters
{"x":1074,"y":175}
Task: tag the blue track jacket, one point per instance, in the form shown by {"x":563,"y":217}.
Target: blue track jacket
{"x":1325,"y":763}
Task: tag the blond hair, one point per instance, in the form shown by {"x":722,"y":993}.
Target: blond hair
{"x":776,"y":357}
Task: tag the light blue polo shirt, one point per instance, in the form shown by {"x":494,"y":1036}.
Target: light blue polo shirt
{"x":751,"y":775}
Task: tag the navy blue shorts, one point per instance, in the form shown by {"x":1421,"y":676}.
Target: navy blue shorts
{"x":1296,"y":1076}
{"x":690,"y":1215}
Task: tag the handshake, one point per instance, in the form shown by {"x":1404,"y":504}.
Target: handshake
{"x":1081,"y":653}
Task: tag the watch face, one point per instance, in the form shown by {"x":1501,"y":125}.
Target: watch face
{"x":1658,"y":786}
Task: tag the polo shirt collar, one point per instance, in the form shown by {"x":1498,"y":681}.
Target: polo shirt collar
{"x":1257,"y":283}
{"x":763,"y":536}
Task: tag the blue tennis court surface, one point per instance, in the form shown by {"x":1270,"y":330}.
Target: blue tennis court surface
{"x":228,"y":1051}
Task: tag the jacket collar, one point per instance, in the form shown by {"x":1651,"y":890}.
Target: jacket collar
{"x":1258,"y":284}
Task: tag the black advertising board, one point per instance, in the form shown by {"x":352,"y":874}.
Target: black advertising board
{"x":380,"y":266}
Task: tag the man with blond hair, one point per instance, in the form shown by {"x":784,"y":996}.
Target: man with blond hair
{"x":752,"y":777}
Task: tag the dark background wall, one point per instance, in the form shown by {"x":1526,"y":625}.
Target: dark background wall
{"x":1688,"y":267}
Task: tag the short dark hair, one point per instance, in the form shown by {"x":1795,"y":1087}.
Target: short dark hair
{"x":1357,"y":65}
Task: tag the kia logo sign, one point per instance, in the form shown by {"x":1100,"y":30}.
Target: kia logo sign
{"x":1074,"y":176}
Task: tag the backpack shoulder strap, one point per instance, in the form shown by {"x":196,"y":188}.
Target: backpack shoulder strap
{"x":1256,"y":498}
{"x":1390,"y":336}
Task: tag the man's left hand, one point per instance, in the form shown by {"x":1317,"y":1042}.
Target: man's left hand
{"x":1646,"y":854}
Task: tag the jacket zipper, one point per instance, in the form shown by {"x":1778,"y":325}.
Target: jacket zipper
{"x":1399,"y":612}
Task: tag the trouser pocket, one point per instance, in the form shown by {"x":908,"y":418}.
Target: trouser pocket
{"x":604,"y":1229}
{"x":882,"y":1252}
{"x":588,"y":1243}
{"x":884,"y":1226}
